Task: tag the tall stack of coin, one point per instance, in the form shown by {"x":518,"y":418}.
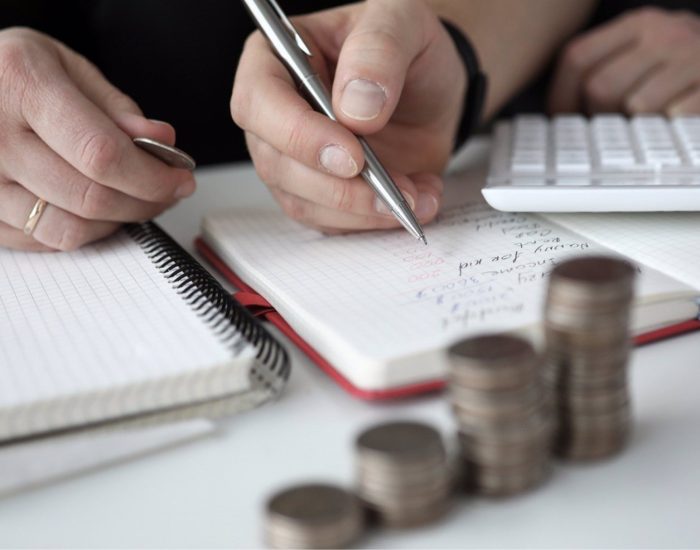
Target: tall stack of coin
{"x":313,"y":516}
{"x":587,"y":331}
{"x":403,"y":474}
{"x":504,"y":418}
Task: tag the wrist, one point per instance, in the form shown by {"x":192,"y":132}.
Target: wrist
{"x":476,"y":84}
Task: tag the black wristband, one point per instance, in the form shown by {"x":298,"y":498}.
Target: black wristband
{"x":476,"y":85}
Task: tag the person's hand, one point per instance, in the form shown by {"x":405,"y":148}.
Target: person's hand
{"x":646,"y":61}
{"x":396,"y":77}
{"x":65,"y":137}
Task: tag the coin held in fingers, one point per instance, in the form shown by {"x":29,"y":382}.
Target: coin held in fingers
{"x":172,"y":156}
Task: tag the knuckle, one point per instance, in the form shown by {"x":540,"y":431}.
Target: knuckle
{"x":99,"y":153}
{"x":253,"y":38}
{"x":635,"y":104}
{"x":574,"y":55}
{"x":266,"y":163}
{"x":388,"y":43}
{"x":648,"y":16}
{"x":297,"y":134}
{"x":240,"y":105}
{"x":241,"y":96}
{"x":13,"y":52}
{"x":342,"y":196}
{"x":120,"y":101}
{"x":382,"y":40}
{"x":95,"y":201}
{"x":15,"y":71}
{"x":598,"y":89}
{"x":295,"y":208}
{"x":72,"y":234}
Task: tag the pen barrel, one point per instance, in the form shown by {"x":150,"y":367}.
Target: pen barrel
{"x":373,"y":172}
{"x":319,"y":95}
{"x":376,"y":176}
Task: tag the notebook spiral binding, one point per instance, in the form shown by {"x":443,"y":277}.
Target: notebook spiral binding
{"x":226,"y":317}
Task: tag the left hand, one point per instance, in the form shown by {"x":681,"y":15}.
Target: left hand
{"x":645,"y":61}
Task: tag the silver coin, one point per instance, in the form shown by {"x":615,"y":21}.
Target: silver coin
{"x":400,"y":442}
{"x":493,"y":403}
{"x":406,"y":518}
{"x":172,"y":156}
{"x":313,"y":516}
{"x":392,"y":489}
{"x":481,"y":354}
{"x":590,"y":341}
{"x":606,"y":276}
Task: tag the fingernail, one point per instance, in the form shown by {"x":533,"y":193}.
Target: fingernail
{"x":362,"y":99}
{"x":427,"y":206}
{"x":185,"y":190}
{"x":382,"y":208}
{"x":156,"y":121}
{"x":338,"y":161}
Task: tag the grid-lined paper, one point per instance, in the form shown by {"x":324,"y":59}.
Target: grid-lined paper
{"x":668,"y":241}
{"x":365,"y":300}
{"x":85,"y":322}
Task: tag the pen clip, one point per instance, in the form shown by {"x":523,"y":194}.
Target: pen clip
{"x":287,"y":23}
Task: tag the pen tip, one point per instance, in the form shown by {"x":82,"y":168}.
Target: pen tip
{"x":422,"y":238}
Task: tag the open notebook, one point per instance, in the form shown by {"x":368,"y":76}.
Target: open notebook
{"x":127,"y":326}
{"x":377,"y":309}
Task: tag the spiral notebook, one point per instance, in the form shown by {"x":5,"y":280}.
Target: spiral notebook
{"x":127,"y":328}
{"x":376,"y":310}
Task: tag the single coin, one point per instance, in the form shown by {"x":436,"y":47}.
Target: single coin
{"x":602,"y":272}
{"x":568,"y":295}
{"x":407,"y":518}
{"x":587,"y":341}
{"x":401,"y":441}
{"x":495,"y":349}
{"x":313,"y":516}
{"x":172,"y":156}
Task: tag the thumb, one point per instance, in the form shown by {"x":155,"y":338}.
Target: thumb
{"x":374,"y":60}
{"x":116,"y":104}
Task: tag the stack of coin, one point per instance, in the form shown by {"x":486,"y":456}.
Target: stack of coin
{"x":313,"y":516}
{"x":402,"y":473}
{"x":587,"y":332}
{"x":503,"y":414}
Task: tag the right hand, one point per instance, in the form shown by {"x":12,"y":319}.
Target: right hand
{"x":396,"y":77}
{"x":65,"y":137}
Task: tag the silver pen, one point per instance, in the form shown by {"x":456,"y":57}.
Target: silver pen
{"x":294,"y":53}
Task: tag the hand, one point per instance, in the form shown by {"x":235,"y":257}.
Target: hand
{"x":396,"y":77}
{"x":646,"y":61}
{"x":65,"y":137}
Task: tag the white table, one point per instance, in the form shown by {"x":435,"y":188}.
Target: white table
{"x":211,"y":493}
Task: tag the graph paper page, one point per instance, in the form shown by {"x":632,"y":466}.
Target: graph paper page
{"x":94,"y":319}
{"x":382,"y":295}
{"x":668,"y":241}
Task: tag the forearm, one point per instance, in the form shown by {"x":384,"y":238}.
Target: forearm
{"x":513,"y":38}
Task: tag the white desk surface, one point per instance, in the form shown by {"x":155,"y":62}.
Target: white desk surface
{"x":211,"y":493}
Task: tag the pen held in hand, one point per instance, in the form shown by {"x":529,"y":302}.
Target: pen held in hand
{"x":294,"y":54}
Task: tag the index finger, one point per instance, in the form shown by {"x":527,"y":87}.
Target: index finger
{"x":580,"y":56}
{"x":82,"y":134}
{"x":266,"y":103}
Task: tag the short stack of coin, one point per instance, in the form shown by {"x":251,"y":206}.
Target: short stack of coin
{"x":313,"y":516}
{"x":503,"y":414}
{"x":403,"y":475}
{"x":587,"y":315}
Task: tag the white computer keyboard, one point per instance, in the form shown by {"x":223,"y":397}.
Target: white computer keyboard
{"x":607,"y":163}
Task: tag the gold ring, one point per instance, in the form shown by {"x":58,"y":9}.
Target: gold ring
{"x":34,"y":216}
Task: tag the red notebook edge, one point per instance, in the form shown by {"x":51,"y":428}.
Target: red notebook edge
{"x":260,"y":307}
